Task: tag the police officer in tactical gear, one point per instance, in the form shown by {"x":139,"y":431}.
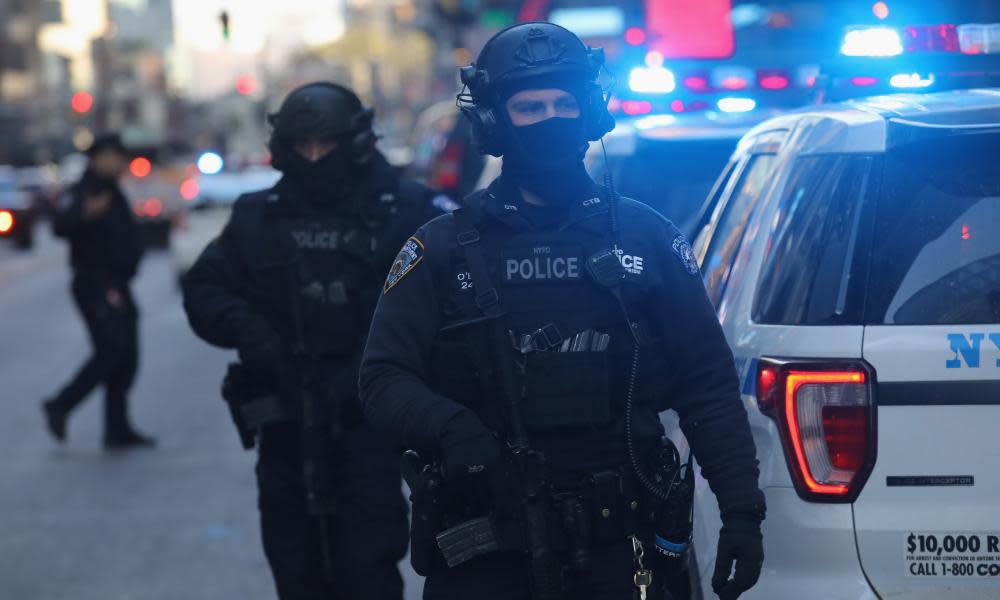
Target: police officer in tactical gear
{"x":524,"y":346}
{"x":105,"y":249}
{"x":291,"y":283}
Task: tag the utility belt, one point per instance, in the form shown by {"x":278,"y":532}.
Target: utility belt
{"x":601,"y":509}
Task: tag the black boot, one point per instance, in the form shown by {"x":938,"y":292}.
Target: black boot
{"x":55,"y":418}
{"x":127,"y":438}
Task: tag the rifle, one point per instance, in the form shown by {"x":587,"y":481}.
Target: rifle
{"x":528,"y":466}
{"x":319,"y":425}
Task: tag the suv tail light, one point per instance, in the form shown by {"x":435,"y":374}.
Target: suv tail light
{"x":826,"y":414}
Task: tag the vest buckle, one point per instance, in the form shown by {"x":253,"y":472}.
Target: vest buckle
{"x":467,"y":237}
{"x":487,"y":299}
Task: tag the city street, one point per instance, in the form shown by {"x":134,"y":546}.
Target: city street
{"x":80,"y":523}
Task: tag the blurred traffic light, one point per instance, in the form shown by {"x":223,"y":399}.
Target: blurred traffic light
{"x":246,"y":84}
{"x":224,"y":21}
{"x":81,"y":102}
{"x":140,"y":167}
{"x":880,"y":10}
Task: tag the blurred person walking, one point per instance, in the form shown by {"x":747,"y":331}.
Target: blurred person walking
{"x":291,"y":283}
{"x":105,"y":250}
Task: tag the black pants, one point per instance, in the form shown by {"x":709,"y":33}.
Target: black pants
{"x":111,"y":317}
{"x":504,"y":576}
{"x":367,"y":534}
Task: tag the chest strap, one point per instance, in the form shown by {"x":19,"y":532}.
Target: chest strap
{"x":487,"y":297}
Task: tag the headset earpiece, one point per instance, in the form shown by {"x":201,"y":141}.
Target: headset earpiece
{"x":598,"y":119}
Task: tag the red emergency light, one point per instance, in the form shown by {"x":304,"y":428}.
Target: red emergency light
{"x":690,"y":28}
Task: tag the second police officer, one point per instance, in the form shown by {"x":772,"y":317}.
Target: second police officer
{"x":525,"y":345}
{"x":291,"y":284}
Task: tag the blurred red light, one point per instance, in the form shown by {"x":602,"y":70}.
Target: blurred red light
{"x":810,"y":81}
{"x":772,"y":80}
{"x":81,"y":102}
{"x":863,"y":81}
{"x":696,"y":83}
{"x":966,"y":233}
{"x":637,"y":107}
{"x":6,"y":221}
{"x":140,"y":167}
{"x":880,"y":10}
{"x":677,"y":106}
{"x":152,"y":207}
{"x":931,"y":38}
{"x":691,"y":28}
{"x":189,"y":189}
{"x":734,"y":83}
{"x":635,"y":36}
{"x":246,"y":84}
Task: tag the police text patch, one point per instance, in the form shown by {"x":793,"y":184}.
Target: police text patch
{"x":408,"y":257}
{"x":541,"y":264}
{"x":683,"y":250}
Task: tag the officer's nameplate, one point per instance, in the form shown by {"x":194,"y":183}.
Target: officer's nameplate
{"x":542,"y":264}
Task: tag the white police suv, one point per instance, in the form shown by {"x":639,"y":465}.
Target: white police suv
{"x":853,"y":254}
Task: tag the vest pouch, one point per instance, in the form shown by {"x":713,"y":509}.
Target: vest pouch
{"x":566,"y":389}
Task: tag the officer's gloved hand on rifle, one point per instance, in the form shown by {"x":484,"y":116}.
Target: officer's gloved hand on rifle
{"x":740,"y":540}
{"x":262,"y":352}
{"x":470,"y":451}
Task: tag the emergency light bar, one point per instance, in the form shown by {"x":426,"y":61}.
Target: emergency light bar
{"x":882,"y":41}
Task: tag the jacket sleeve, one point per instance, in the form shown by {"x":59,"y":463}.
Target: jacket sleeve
{"x":393,"y":380}
{"x":216,"y":307}
{"x":705,"y":389}
{"x":68,"y":218}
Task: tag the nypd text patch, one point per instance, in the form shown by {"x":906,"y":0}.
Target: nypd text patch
{"x":408,"y":257}
{"x":683,"y":250}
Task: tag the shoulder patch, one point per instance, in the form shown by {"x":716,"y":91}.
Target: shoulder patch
{"x":408,"y":257}
{"x":685,"y":254}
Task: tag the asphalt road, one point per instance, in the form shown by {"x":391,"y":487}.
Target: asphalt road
{"x":79,"y":523}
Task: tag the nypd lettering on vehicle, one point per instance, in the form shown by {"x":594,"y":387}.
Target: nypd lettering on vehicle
{"x":541,"y":263}
{"x":968,"y":349}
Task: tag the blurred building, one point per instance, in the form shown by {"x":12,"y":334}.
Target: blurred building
{"x":130,"y":76}
{"x":34,"y":84}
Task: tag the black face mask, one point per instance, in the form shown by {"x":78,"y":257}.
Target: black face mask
{"x":320,"y":181}
{"x":546,"y":158}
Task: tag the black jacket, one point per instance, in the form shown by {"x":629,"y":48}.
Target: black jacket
{"x":691,"y":371}
{"x":111,"y":244}
{"x":235,"y":290}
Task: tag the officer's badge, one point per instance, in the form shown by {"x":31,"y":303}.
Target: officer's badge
{"x":408,"y":257}
{"x":684,"y":252}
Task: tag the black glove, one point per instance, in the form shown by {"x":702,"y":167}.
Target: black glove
{"x":470,"y":450}
{"x":740,"y":540}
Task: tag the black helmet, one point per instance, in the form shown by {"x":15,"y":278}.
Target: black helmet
{"x":324,"y":111}
{"x":532,"y":55}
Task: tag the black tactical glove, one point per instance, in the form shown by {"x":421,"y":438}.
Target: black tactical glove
{"x":740,"y":540}
{"x":470,"y":450}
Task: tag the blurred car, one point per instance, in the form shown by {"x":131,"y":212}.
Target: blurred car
{"x":667,"y":162}
{"x":853,"y":258}
{"x":444,"y":155}
{"x":17,"y":216}
{"x":208,"y":211}
{"x":42,"y":185}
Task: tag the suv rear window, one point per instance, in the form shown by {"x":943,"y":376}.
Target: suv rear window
{"x":936,"y":243}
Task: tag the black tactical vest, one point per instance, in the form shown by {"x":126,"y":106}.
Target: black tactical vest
{"x":570,"y":339}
